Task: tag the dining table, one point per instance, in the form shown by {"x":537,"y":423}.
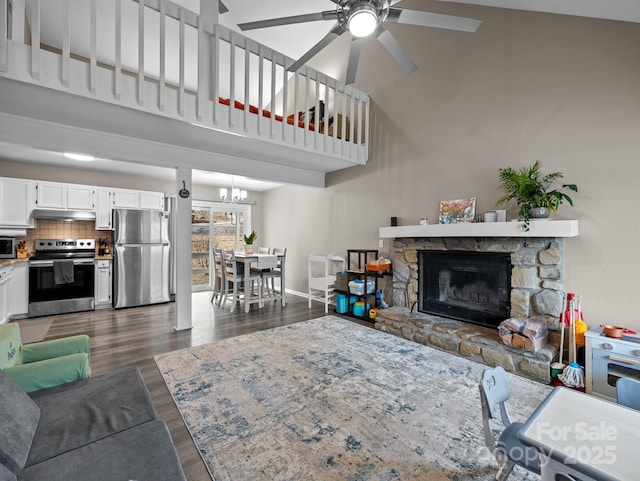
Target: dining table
{"x":260,"y":260}
{"x":584,"y":437}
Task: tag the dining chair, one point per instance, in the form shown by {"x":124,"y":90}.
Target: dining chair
{"x":269,"y":276}
{"x":507,"y":449}
{"x":219,"y":279}
{"x":234,"y":280}
{"x":264,"y":250}
{"x":628,"y":392}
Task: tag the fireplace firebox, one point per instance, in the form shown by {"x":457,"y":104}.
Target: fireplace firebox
{"x":468,"y":286}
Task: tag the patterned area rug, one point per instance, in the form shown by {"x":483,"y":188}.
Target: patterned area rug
{"x":329,"y":399}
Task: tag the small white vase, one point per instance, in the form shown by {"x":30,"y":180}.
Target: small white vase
{"x":248,"y":249}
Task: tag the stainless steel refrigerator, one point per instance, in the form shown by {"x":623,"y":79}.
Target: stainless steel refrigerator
{"x":141,"y":257}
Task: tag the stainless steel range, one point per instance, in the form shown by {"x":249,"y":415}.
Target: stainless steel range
{"x":61,"y":276}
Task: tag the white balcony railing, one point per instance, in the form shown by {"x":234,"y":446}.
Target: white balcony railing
{"x":159,"y":57}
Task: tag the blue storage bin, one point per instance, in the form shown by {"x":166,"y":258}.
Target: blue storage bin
{"x":341,"y":304}
{"x":359,"y":309}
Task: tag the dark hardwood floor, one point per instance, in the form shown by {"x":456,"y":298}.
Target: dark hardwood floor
{"x":131,"y":337}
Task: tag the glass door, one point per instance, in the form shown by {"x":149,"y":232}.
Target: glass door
{"x":200,"y":252}
{"x":228,"y":229}
{"x":214,"y":224}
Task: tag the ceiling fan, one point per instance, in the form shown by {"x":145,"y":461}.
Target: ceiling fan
{"x":363,"y":18}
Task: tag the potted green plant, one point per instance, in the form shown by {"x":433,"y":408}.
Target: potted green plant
{"x":533,"y":191}
{"x":248,"y":242}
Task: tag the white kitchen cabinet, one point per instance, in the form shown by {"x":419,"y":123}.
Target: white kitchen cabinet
{"x":151,"y":200}
{"x":5,"y":295}
{"x":51,"y":195}
{"x":16,"y":202}
{"x":103,"y":283}
{"x":20,"y":287}
{"x":58,"y":195}
{"x":104,"y":208}
{"x":126,"y":199}
{"x":137,"y":199}
{"x":80,"y":197}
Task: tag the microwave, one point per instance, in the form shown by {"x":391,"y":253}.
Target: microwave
{"x":8,"y":247}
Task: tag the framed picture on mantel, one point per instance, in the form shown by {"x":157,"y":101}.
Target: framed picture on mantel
{"x":459,"y":210}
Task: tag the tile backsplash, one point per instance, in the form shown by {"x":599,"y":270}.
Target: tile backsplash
{"x":61,"y":229}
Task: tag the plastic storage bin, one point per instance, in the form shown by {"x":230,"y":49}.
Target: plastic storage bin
{"x":359,"y":309}
{"x":357,"y":287}
{"x":342,"y":306}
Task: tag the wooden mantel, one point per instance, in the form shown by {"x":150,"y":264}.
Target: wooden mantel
{"x":538,"y":228}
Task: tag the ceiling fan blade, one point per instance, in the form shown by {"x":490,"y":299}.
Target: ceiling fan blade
{"x":274,"y":22}
{"x":436,"y":20}
{"x":389,"y":42}
{"x":335,"y":32}
{"x":354,"y":57}
{"x":222,"y":8}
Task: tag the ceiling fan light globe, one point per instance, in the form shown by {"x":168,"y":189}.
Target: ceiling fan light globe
{"x":362,"y":21}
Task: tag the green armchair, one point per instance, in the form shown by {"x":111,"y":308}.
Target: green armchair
{"x":40,"y":365}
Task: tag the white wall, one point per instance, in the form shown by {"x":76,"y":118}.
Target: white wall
{"x":526,"y":86}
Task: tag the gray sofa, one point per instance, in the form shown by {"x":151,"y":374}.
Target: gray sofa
{"x":104,"y":428}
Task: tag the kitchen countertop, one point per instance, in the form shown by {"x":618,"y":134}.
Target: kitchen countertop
{"x":107,"y":257}
{"x":10,"y":262}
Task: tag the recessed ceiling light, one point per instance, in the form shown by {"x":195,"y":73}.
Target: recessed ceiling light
{"x":81,"y":157}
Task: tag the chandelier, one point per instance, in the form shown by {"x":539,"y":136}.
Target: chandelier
{"x":237,"y":195}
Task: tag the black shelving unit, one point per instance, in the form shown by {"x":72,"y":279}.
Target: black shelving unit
{"x":357,"y":260}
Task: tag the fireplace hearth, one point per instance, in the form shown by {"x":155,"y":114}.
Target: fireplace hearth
{"x":469,"y":286}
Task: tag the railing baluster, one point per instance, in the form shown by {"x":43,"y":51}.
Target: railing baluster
{"x":334,"y":132}
{"x":296,"y":88}
{"x":326,"y":112}
{"x":305,"y":123}
{"x":272,"y":102}
{"x":118,"y":67}
{"x":260,"y":87}
{"x":66,"y":43}
{"x":140,"y":52}
{"x":181,"y":99}
{"x":232,"y":79}
{"x":201,"y":89}
{"x":285,"y":100}
{"x":317,"y":120}
{"x":215,"y":49}
{"x":366,"y":127}
{"x":352,"y":122}
{"x":35,"y":39}
{"x":4,"y":34}
{"x":163,"y":33}
{"x":247,"y":81}
{"x":93,"y":64}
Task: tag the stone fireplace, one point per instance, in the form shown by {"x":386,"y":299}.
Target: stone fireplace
{"x":536,"y":286}
{"x":535,"y":277}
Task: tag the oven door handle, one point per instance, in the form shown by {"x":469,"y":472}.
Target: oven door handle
{"x":633,"y":362}
{"x":87,"y":262}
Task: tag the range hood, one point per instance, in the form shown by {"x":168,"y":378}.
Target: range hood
{"x":64,"y":214}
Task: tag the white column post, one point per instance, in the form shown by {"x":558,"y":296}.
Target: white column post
{"x":183,"y":248}
{"x":206,"y":20}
